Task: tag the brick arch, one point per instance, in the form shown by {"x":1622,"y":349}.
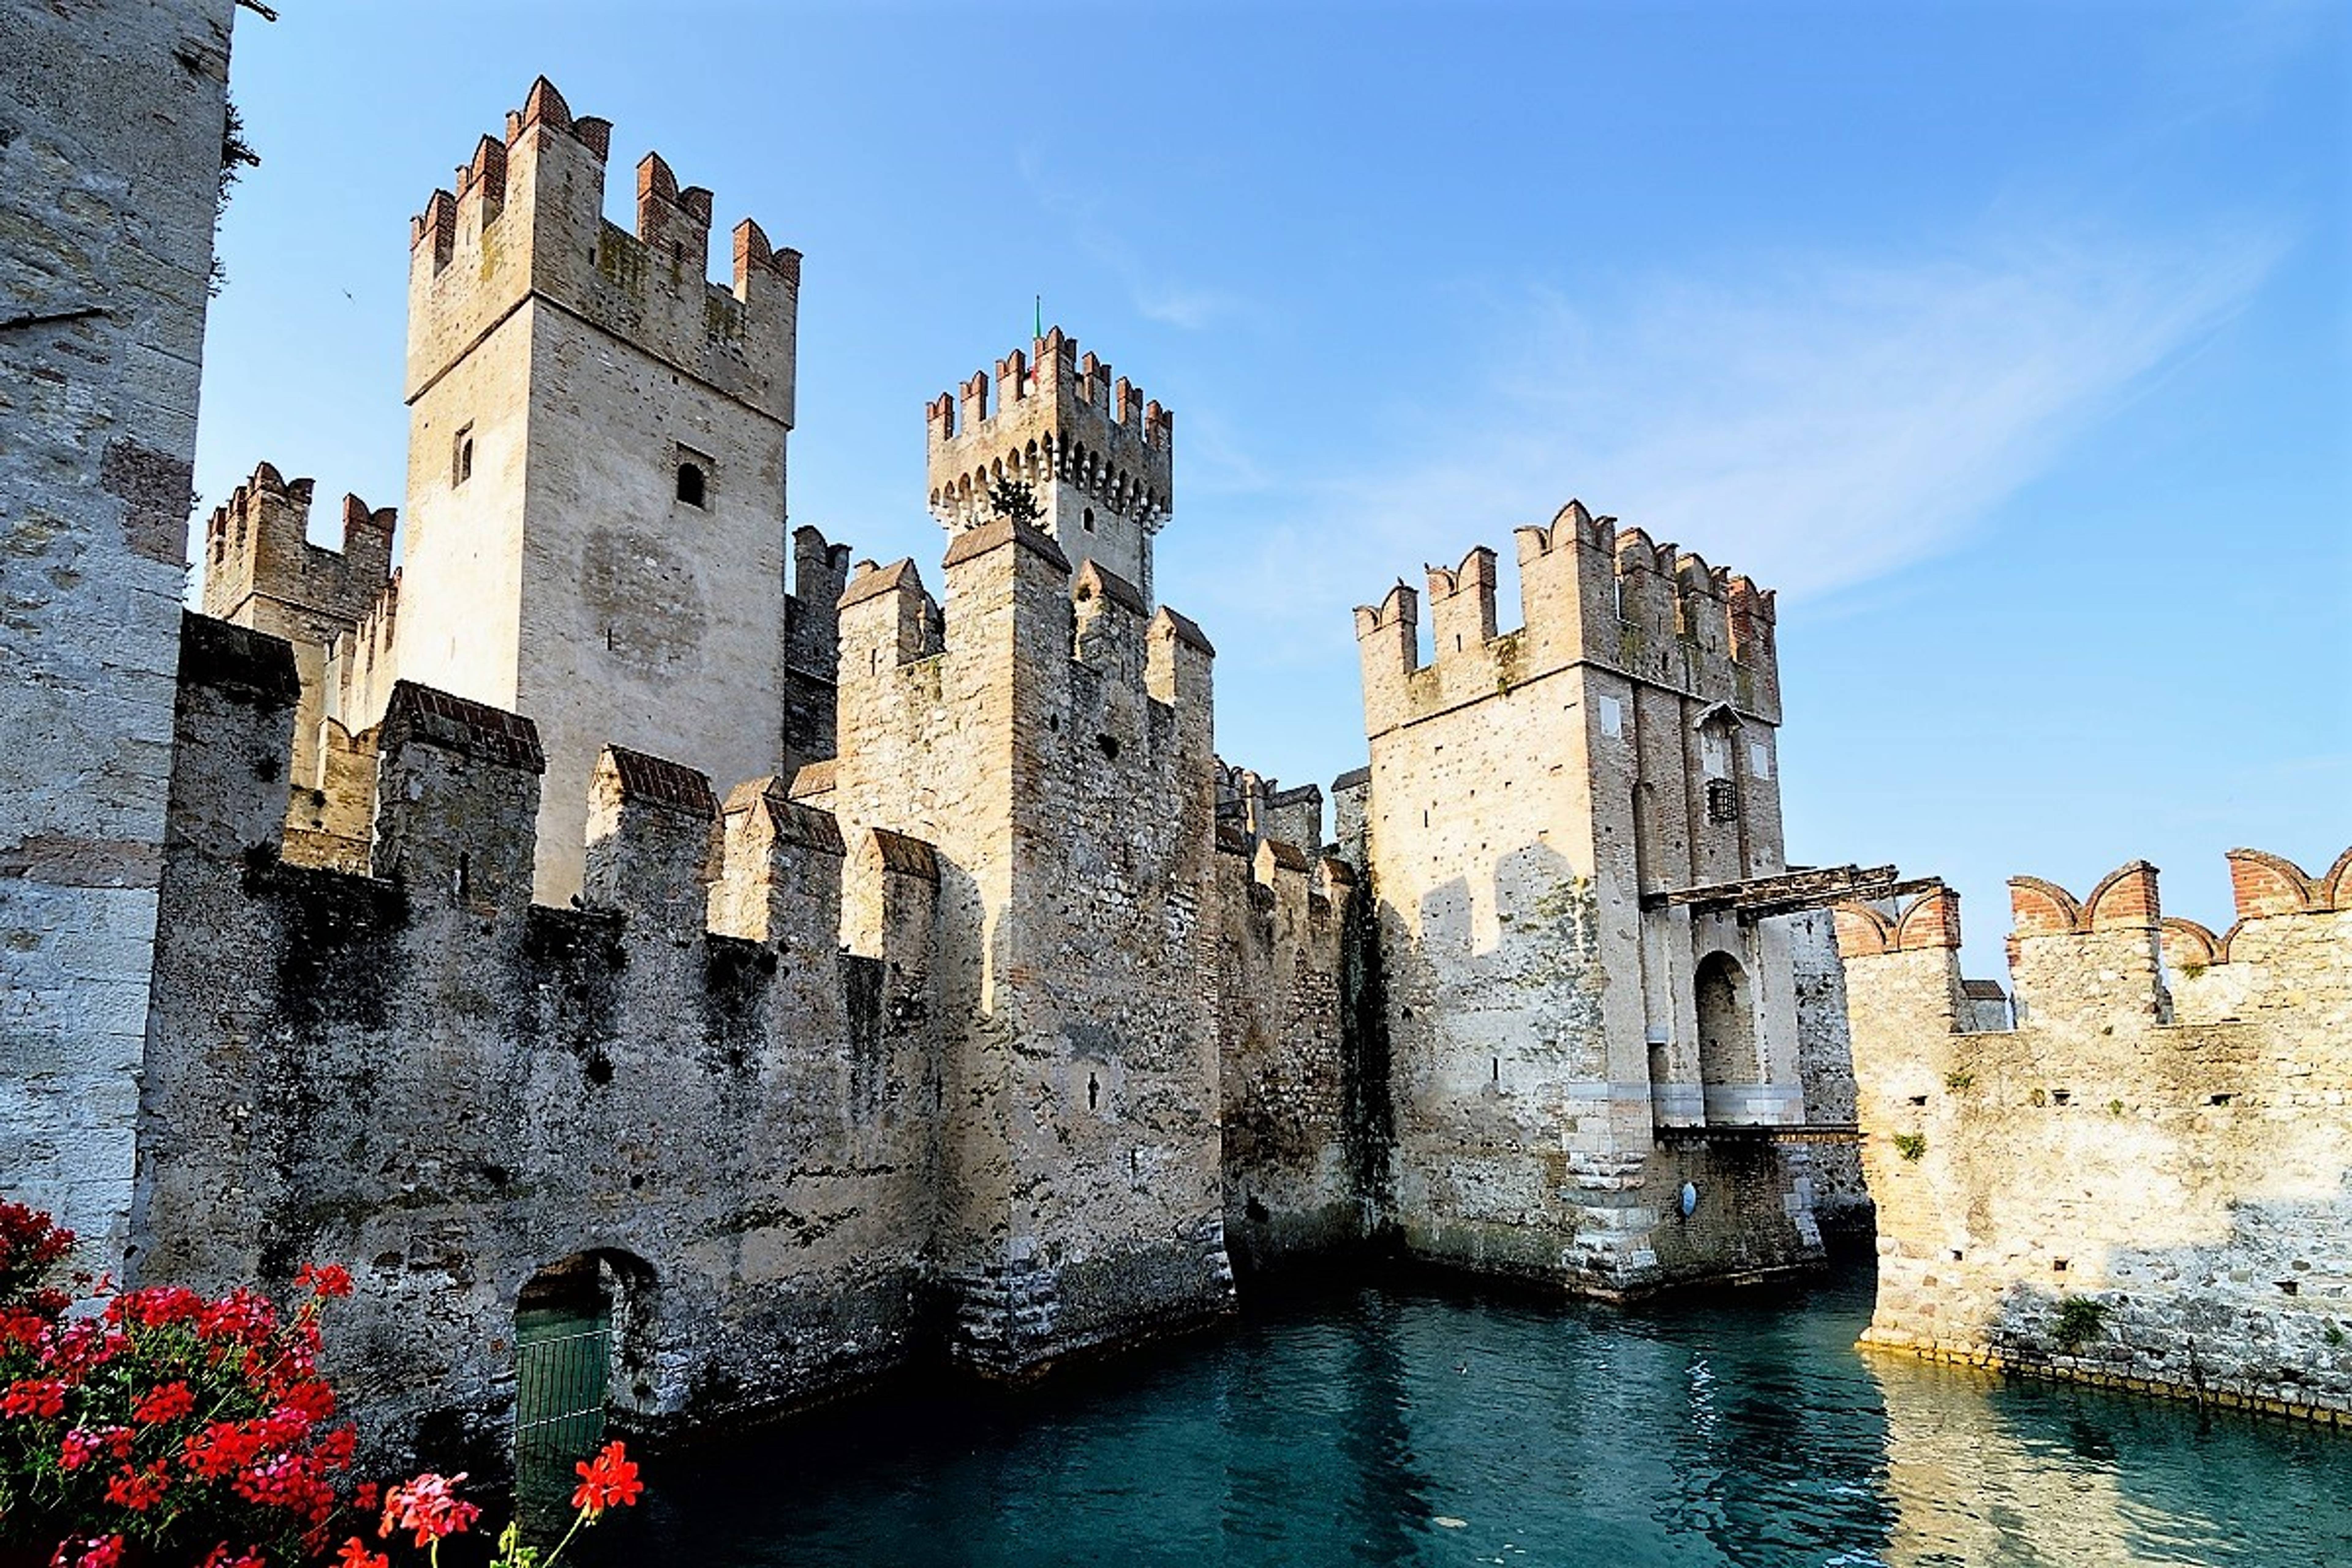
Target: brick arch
{"x":2266,"y":884}
{"x":1862,"y":931}
{"x":2125,"y":900}
{"x":1931,"y":919}
{"x":2037,"y":908}
{"x":2335,"y":891}
{"x":2186,"y":943}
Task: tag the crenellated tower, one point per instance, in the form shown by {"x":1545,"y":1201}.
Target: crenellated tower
{"x":1051,"y":735}
{"x":261,"y":572}
{"x":1548,"y":807}
{"x":596,"y":473}
{"x":1094,"y":450}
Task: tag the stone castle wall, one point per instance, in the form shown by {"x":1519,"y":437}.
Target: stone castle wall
{"x":1288,"y":1081}
{"x":422,"y":1073}
{"x":2148,"y":1183}
{"x":111,"y":147}
{"x":1841,"y":1202}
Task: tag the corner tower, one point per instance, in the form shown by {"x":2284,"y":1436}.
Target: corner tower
{"x":596,"y":466}
{"x":1575,"y":839}
{"x":1096,"y":453}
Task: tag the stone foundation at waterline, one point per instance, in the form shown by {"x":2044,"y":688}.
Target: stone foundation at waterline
{"x":2147,"y":1182}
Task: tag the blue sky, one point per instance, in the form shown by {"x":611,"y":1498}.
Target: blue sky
{"x":2013,"y":344}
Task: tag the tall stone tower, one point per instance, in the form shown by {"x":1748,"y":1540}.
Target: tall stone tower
{"x":596,"y":466}
{"x":1095,"y":454}
{"x":1052,"y":739}
{"x":1584,"y":1017}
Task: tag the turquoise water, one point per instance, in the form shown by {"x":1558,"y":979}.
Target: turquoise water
{"x":1399,"y":1425}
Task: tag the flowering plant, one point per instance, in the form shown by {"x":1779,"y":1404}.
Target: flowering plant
{"x":166,"y":1426}
{"x":169,"y":1428}
{"x":429,"y":1508}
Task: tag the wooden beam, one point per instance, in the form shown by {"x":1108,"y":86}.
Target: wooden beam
{"x":1788,"y":893}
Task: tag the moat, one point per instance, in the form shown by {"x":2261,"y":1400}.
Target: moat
{"x":1409,"y":1426}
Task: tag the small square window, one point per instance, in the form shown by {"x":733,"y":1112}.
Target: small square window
{"x":1722,"y":801}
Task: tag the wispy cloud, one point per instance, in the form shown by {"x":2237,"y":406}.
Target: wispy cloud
{"x":1157,"y":297}
{"x":1172,"y":305}
{"x":1814,"y":422}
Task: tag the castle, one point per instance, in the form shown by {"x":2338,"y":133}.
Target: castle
{"x":590,"y":939}
{"x":796,"y":982}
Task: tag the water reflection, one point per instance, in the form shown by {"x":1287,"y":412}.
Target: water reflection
{"x":1981,"y":1470}
{"x":1395,"y":1428}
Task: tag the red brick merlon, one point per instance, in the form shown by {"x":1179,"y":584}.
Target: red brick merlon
{"x":475,"y":728}
{"x":2125,"y":900}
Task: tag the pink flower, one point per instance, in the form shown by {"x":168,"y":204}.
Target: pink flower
{"x":92,"y":1553}
{"x":429,"y":1506}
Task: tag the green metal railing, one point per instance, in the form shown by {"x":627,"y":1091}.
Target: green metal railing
{"x":562,"y":1363}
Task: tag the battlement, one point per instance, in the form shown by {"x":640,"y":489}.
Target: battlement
{"x":455,"y":811}
{"x":525,"y":221}
{"x":362,"y":663}
{"x":1097,"y":620}
{"x":256,"y":545}
{"x":2163,"y":1135}
{"x":1260,"y":809}
{"x":1930,"y":921}
{"x":2115,"y":953}
{"x":1589,"y":593}
{"x":1097,"y":454}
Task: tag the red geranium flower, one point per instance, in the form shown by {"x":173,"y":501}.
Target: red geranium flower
{"x":42,"y":1396}
{"x":137,"y":1490}
{"x":355,"y":1554}
{"x":168,"y":1402}
{"x":610,"y":1478}
{"x":323,"y":1279}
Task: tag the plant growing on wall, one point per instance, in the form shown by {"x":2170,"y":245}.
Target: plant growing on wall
{"x":1911,"y":1145}
{"x":2080,"y":1320}
{"x":1015,"y":499}
{"x":1958,"y":1080}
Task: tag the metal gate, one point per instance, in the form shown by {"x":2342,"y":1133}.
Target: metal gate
{"x":563,"y":1359}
